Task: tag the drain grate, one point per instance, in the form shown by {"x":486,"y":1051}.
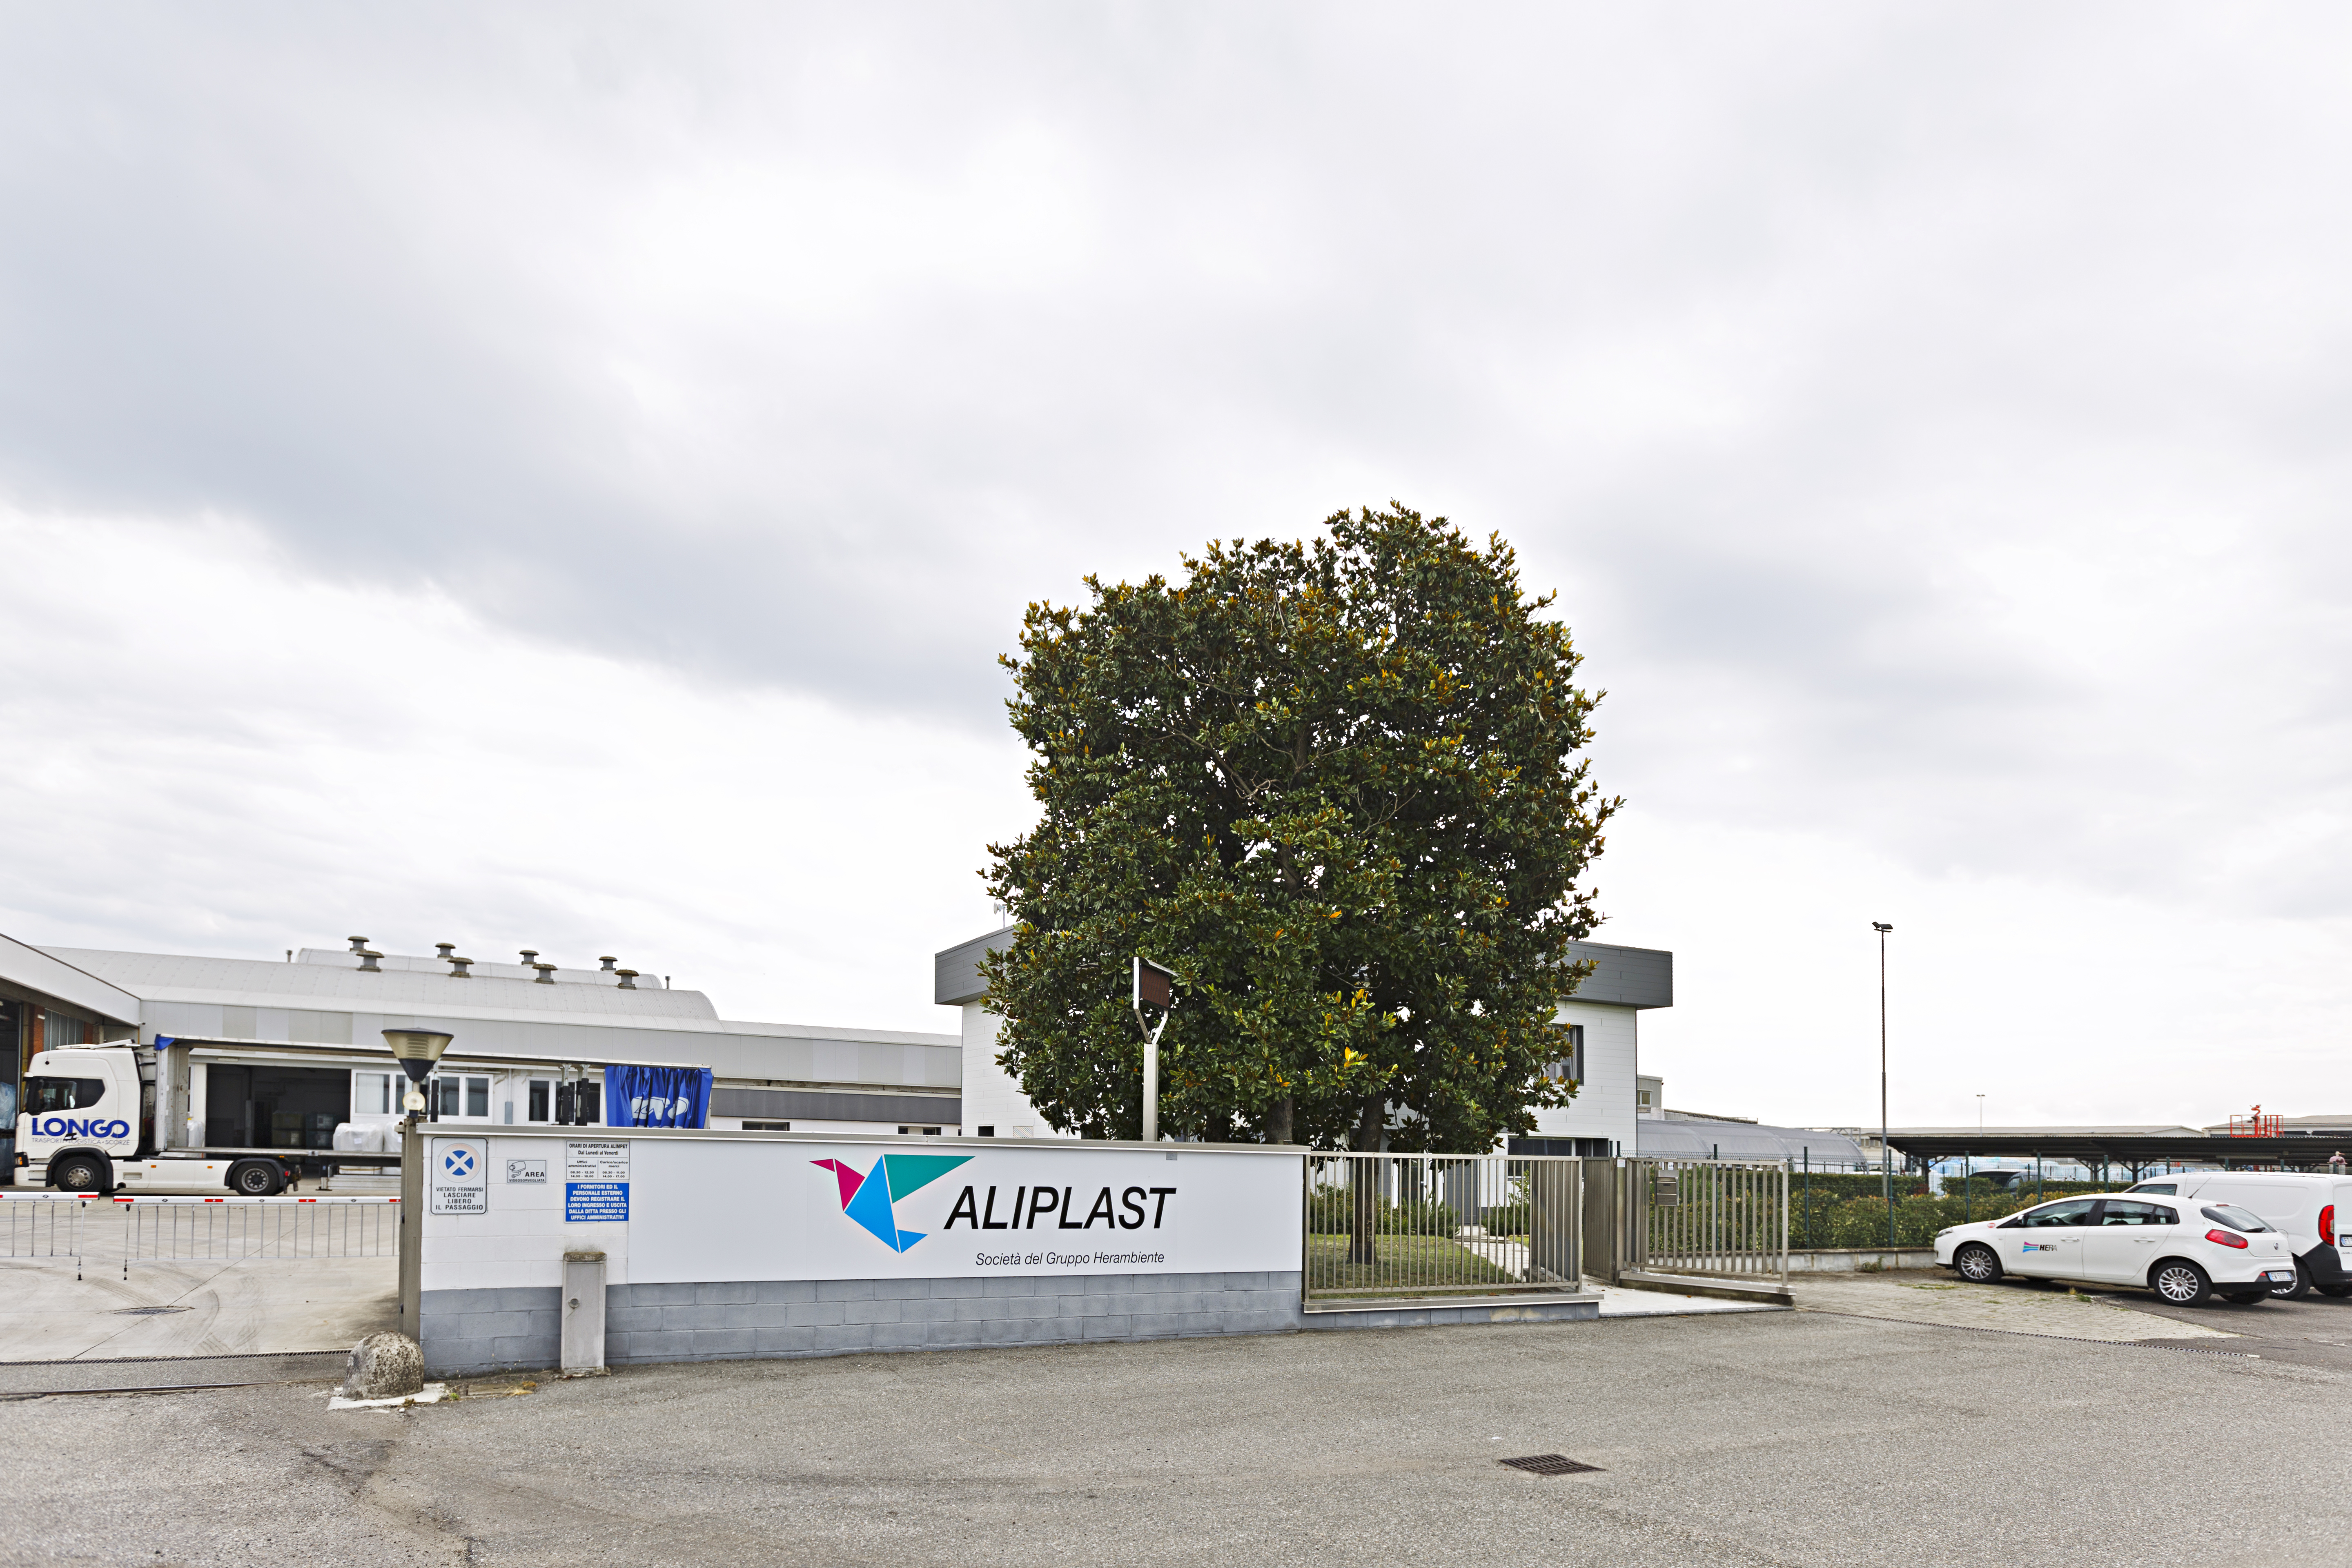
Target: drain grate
{"x":145,"y":1312}
{"x":1550,"y":1464}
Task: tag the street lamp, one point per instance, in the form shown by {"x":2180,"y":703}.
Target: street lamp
{"x":1154,"y":987}
{"x":1885,"y":1154}
{"x":415,"y":1050}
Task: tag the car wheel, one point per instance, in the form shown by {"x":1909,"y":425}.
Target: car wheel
{"x":79,"y":1174}
{"x":256,"y":1179}
{"x":1977,"y":1263}
{"x":2182,"y":1282}
{"x":2295,"y":1290}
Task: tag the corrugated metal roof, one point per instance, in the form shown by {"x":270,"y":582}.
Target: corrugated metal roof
{"x":248,"y":983}
{"x":1654,"y":1138}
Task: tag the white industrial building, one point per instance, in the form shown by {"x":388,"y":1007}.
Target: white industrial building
{"x":278,"y":1054}
{"x":1601,"y":1028}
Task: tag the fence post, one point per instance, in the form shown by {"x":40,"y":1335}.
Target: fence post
{"x":1601,"y":1215}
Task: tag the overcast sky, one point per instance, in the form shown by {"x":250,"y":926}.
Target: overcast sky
{"x":560,"y":476}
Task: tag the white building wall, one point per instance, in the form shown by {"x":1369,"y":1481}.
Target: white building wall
{"x":1603,"y":1106}
{"x":991,"y":1096}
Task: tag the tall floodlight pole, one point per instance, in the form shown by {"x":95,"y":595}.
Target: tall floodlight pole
{"x":1154,"y":987}
{"x":1885,"y":1154}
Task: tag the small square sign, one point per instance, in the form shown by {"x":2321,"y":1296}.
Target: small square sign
{"x":459,"y":1175}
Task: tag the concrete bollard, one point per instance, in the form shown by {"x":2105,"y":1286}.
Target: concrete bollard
{"x":383,"y":1366}
{"x":584,"y":1313}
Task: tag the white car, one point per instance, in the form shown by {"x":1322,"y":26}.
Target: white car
{"x":2301,"y":1206}
{"x":2186,"y":1250}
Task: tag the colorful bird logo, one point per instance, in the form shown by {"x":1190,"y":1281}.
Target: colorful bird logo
{"x":871,"y":1199}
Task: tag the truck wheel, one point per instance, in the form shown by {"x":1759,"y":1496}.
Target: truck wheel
{"x":256,"y":1179}
{"x":79,"y":1174}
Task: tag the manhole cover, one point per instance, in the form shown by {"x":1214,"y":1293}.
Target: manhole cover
{"x":145,"y":1312}
{"x":1549,"y":1465}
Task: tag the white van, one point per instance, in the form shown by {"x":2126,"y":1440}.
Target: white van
{"x":2311,"y":1210}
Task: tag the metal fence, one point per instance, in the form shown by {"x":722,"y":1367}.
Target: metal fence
{"x":239,"y":1230}
{"x":43,"y":1227}
{"x":1413,"y":1225}
{"x":1718,"y":1217}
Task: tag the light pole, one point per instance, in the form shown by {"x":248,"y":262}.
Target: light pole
{"x":415,"y":1050}
{"x":1885,"y":1154}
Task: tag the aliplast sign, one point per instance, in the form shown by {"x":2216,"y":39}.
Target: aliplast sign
{"x":744,"y":1210}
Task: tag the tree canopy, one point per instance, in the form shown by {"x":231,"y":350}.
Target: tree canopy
{"x":1335,"y":785}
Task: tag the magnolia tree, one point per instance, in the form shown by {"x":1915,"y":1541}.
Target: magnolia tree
{"x":1336,"y":786}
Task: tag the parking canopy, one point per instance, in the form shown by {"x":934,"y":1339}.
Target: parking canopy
{"x":656,"y":1096}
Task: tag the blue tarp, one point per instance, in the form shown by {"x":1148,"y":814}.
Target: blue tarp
{"x":656,"y":1097}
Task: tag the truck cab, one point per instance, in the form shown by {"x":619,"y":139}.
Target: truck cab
{"x":79,"y":1115}
{"x":86,"y":1124}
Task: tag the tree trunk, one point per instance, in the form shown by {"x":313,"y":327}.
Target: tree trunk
{"x":1364,"y":1191}
{"x":1278,"y":1122}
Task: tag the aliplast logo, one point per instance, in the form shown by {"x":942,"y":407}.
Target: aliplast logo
{"x":872,"y":1199}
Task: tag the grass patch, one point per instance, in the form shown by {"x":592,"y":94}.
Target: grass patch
{"x":1404,"y":1263}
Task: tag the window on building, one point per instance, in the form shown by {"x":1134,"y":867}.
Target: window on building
{"x":1571,"y":1066}
{"x":459,"y":1097}
{"x":539,"y":1105}
{"x":371,"y":1094}
{"x":931,"y":1132}
{"x":767,"y":1127}
{"x":987,"y":1132}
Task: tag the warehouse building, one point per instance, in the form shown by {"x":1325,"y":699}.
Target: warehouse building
{"x":1600,"y":1028}
{"x":278,"y":1053}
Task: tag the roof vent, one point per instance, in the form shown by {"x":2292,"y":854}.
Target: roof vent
{"x":628,"y":979}
{"x":368,"y":957}
{"x":530,"y":956}
{"x":608,"y":961}
{"x":546,"y":974}
{"x":445,"y":949}
{"x":358,"y":945}
{"x":457,"y":970}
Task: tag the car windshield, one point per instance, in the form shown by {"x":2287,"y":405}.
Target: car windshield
{"x":2234,"y":1218}
{"x":2167,"y":1188}
{"x":2074,"y":1211}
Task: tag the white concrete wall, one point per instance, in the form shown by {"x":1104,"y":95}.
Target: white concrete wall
{"x":1603,"y":1106}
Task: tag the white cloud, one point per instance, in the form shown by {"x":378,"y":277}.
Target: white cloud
{"x":1930,"y":417}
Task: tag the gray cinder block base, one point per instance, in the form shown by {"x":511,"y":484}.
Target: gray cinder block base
{"x":464,"y":1333}
{"x":751,"y":1319}
{"x":1433,"y":1314}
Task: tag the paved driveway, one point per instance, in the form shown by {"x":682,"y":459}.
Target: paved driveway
{"x":1769,"y":1437}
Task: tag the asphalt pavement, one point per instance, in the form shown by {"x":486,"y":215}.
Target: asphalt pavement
{"x":1769,"y":1437}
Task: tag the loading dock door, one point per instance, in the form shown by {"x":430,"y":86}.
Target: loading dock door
{"x":275,"y":1107}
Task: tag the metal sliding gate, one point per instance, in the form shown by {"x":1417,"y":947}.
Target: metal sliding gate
{"x":1436,"y":1225}
{"x":1699,"y":1219}
{"x":240,"y":1230}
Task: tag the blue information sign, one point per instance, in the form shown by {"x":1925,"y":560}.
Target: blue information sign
{"x":595,"y":1200}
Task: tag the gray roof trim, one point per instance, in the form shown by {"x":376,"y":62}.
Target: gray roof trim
{"x":1625,"y":976}
{"x":1621,"y":976}
{"x":955,"y":970}
{"x":789,"y":1104}
{"x":44,"y":975}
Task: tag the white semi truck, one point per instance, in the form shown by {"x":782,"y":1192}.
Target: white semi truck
{"x":86,"y":1124}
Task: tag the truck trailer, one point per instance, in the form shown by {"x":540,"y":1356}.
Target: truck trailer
{"x":105,"y":1117}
